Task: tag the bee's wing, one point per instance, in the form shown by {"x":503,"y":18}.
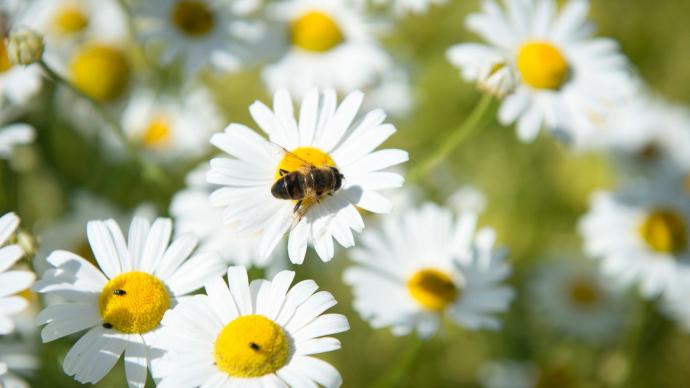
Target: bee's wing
{"x":286,"y":151}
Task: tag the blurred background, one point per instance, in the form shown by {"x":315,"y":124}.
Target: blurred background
{"x":535,"y":195}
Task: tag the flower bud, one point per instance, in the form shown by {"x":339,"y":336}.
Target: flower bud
{"x":497,"y":79}
{"x":25,"y":47}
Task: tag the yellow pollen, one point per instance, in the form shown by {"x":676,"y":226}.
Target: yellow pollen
{"x":542,"y":66}
{"x":583,"y":292}
{"x":664,"y":231}
{"x":295,"y":160}
{"x":316,"y":31}
{"x":251,"y":346}
{"x":100,"y":71}
{"x":70,"y":20}
{"x":133,"y":302}
{"x":193,"y":17}
{"x":432,"y":289}
{"x":158,"y":132}
{"x":5,"y":63}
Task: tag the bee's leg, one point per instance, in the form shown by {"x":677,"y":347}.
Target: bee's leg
{"x":283,"y":172}
{"x":297,"y":206}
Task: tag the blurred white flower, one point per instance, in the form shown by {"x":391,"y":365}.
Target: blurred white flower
{"x":11,"y":281}
{"x":508,"y":374}
{"x":576,"y":300}
{"x":12,"y":135}
{"x":17,"y":360}
{"x":243,"y":334}
{"x":329,"y":44}
{"x":425,"y":263}
{"x":170,"y":127}
{"x":193,"y":213}
{"x":405,"y":6}
{"x":121,"y":303}
{"x":569,"y":80}
{"x":640,"y":234}
{"x":326,"y":135}
{"x":200,"y":33}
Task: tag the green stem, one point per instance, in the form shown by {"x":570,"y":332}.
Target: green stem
{"x":470,"y":125}
{"x":149,"y":170}
{"x":397,"y":371}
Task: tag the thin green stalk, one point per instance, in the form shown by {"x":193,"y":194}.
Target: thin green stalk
{"x":447,"y":146}
{"x":149,"y":170}
{"x":397,"y":371}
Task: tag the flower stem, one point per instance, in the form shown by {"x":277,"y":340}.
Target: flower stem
{"x":397,"y":371}
{"x":148,"y":169}
{"x":456,"y":137}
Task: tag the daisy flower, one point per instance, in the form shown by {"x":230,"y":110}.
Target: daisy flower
{"x":507,"y":374}
{"x":576,"y":300}
{"x":65,"y":23}
{"x":199,"y":32}
{"x":100,"y":69}
{"x":17,"y":83}
{"x":569,"y":80}
{"x":640,"y":234}
{"x":648,"y":135}
{"x":329,"y":44}
{"x":423,"y":264}
{"x":12,"y":135}
{"x":172,"y":127}
{"x":11,"y":281}
{"x":121,"y":303}
{"x":193,"y":213}
{"x":258,"y":334}
{"x":326,"y":136}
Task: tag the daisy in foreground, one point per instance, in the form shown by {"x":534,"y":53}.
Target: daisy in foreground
{"x":11,"y":282}
{"x":258,"y":334}
{"x":641,"y":235}
{"x":327,"y":137}
{"x":423,"y":264}
{"x":569,"y":80}
{"x":122,"y":303}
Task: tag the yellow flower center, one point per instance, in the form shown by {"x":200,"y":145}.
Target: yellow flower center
{"x":70,"y":20}
{"x":316,"y":31}
{"x":664,"y":231}
{"x":193,"y":17}
{"x":296,"y":159}
{"x":5,"y":63}
{"x":584,"y":292}
{"x":432,"y":289}
{"x":251,"y":346}
{"x":100,"y":71}
{"x":157,"y":133}
{"x":133,"y":302}
{"x":542,"y":66}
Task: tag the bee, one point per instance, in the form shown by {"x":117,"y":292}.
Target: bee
{"x":306,"y":185}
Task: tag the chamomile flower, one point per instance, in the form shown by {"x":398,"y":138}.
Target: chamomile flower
{"x":172,"y":127}
{"x":569,"y":80}
{"x":640,"y":234}
{"x":243,"y":334}
{"x":648,"y":135}
{"x":198,"y":32}
{"x":423,"y":264}
{"x":193,"y":213}
{"x":100,"y":69}
{"x":12,"y":135}
{"x":121,"y":303}
{"x":507,"y":374}
{"x":575,"y":299}
{"x":330,"y":44}
{"x":66,"y":23}
{"x":326,"y":135}
{"x":11,"y":281}
{"x":18,"y":84}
